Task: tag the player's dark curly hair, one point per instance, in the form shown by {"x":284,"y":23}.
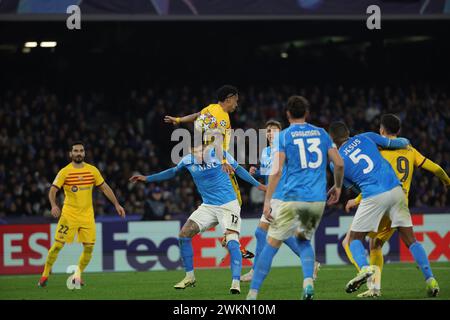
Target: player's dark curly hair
{"x":225,"y":92}
{"x":297,"y":106}
{"x":391,"y":123}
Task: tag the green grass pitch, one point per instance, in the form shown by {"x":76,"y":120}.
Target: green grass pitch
{"x":400,"y":281}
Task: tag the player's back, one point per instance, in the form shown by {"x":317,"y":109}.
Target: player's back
{"x":222,"y":117}
{"x":213,"y":184}
{"x":222,"y":121}
{"x":306,"y":149}
{"x":364,"y":166}
{"x":403,"y":161}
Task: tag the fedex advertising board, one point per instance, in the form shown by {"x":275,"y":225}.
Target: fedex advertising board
{"x":145,"y":246}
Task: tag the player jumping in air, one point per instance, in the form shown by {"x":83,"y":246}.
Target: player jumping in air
{"x":302,"y":150}
{"x":220,"y":206}
{"x":272,"y":127}
{"x":403,"y":161}
{"x":78,"y":179}
{"x":382,"y":195}
{"x":218,"y":114}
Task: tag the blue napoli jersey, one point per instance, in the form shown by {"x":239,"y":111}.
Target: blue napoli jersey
{"x":213,"y":184}
{"x":365,"y":167}
{"x":306,"y":149}
{"x":265,"y":169}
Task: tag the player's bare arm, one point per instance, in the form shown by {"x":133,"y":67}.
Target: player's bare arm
{"x":189,"y":229}
{"x":56,"y":211}
{"x":350,"y":205}
{"x":178,"y":120}
{"x":138,"y":178}
{"x":107,"y":191}
{"x":335,"y":192}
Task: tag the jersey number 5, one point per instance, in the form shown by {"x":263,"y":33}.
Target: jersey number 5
{"x":313,"y":147}
{"x":356,"y":157}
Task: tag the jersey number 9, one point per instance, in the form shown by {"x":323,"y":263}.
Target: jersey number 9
{"x":403,"y":168}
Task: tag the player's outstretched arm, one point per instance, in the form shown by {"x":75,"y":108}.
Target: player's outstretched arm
{"x":178,"y":120}
{"x":107,"y":191}
{"x":396,"y":143}
{"x":437,"y":171}
{"x":244,"y":175}
{"x":163,"y":175}
{"x":56,"y":211}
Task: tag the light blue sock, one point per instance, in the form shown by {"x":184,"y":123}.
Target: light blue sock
{"x":236,"y":259}
{"x":263,"y":266}
{"x":292,"y":243}
{"x":261,"y":241}
{"x":359,"y":253}
{"x":419,"y":254}
{"x":307,"y":257}
{"x":187,"y":254}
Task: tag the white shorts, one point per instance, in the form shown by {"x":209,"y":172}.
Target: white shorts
{"x":371,"y":211}
{"x":228,"y":216}
{"x":274,"y":205}
{"x":296,"y":216}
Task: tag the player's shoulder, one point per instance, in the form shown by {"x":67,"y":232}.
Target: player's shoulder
{"x":212,"y":108}
{"x":314,"y":127}
{"x":66,"y":168}
{"x":187,"y":159}
{"x":266,"y":150}
{"x":91,"y":167}
{"x":365,"y":136}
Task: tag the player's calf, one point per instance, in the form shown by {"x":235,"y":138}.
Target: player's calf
{"x":232,"y":241}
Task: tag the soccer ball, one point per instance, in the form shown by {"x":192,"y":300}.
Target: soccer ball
{"x":205,"y":122}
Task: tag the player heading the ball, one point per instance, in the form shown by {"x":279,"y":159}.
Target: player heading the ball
{"x":219,"y":207}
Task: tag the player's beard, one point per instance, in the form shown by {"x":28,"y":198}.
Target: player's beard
{"x":78,"y":159}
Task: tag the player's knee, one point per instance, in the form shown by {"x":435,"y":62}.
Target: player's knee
{"x":185,"y":234}
{"x":301,"y":236}
{"x":376,"y":244}
{"x":57,"y":246}
{"x":88,"y":247}
{"x":356,"y":236}
{"x":263,"y":225}
{"x":407,"y":235}
{"x":230,"y":236}
{"x":345,"y":242}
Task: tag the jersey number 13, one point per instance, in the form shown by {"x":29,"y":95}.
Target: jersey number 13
{"x":312,"y":147}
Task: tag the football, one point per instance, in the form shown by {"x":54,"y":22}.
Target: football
{"x":205,"y":122}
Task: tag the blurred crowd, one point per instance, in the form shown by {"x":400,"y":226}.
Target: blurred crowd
{"x":129,"y":136}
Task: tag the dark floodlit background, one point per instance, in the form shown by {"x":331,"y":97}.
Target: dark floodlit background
{"x":110,"y":84}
